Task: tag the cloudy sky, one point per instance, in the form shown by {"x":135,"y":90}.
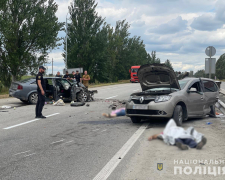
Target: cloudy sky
{"x":178,"y":30}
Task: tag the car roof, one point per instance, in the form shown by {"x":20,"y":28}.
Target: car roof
{"x":194,"y":78}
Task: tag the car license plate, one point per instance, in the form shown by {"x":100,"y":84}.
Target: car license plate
{"x":140,"y":106}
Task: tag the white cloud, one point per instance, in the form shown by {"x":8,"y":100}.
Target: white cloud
{"x":173,"y":26}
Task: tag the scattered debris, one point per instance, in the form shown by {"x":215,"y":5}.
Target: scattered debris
{"x":4,"y":111}
{"x":77,"y":103}
{"x":208,"y":123}
{"x":87,"y":105}
{"x":6,"y":107}
{"x":60,"y":102}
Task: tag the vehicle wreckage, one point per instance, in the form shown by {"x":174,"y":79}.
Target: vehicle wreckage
{"x":56,"y":88}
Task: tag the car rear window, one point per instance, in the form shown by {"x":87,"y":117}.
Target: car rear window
{"x":27,"y":80}
{"x":210,"y":86}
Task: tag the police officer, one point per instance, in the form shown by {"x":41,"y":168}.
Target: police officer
{"x":41,"y":88}
{"x":66,"y":76}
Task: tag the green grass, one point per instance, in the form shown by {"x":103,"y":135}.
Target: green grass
{"x":93,"y":85}
{"x":4,"y":90}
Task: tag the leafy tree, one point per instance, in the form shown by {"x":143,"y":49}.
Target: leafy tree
{"x":168,"y":64}
{"x":152,"y":58}
{"x":82,"y":34}
{"x":220,"y":67}
{"x":106,"y":52}
{"x":200,"y":73}
{"x":28,"y":29}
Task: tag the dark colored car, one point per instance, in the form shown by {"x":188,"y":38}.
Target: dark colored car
{"x":26,"y":90}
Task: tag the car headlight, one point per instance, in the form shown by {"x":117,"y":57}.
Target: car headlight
{"x":162,"y":98}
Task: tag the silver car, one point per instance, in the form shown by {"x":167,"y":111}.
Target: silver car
{"x":26,"y":90}
{"x":165,"y":97}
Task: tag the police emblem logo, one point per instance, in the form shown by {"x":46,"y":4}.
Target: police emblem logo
{"x":160,"y":166}
{"x":39,"y":77}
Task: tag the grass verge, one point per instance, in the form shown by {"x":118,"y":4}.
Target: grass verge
{"x":93,"y":85}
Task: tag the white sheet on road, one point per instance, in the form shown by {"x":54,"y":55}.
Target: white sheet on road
{"x":172,"y":132}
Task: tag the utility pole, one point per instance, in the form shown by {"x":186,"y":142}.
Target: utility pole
{"x":52,"y":66}
{"x":66,"y":40}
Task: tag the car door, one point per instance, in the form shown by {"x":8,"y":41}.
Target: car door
{"x":211,"y":92}
{"x":55,"y":90}
{"x":195,"y":100}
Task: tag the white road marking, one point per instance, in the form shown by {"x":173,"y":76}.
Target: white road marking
{"x":58,"y":141}
{"x":21,"y":153}
{"x":116,"y":159}
{"x":10,"y":127}
{"x":68,"y":142}
{"x":95,"y":130}
{"x":111,"y":97}
{"x":29,"y":155}
{"x":136,"y":90}
{"x":104,"y":130}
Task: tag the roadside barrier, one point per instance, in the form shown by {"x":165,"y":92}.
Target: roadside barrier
{"x":220,"y":105}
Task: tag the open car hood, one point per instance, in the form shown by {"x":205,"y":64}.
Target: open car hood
{"x":157,"y":76}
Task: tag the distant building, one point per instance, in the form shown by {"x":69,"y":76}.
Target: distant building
{"x":191,"y":73}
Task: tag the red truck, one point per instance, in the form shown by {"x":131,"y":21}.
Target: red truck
{"x":133,"y":74}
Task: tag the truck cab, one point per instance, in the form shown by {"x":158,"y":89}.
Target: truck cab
{"x":133,"y":74}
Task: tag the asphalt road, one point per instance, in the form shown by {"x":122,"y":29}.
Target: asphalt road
{"x":73,"y":144}
{"x":77,"y":143}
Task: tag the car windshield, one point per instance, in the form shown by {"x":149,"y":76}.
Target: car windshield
{"x":134,"y":70}
{"x":183,"y":83}
{"x":64,"y":82}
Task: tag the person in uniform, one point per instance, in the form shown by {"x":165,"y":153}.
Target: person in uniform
{"x":66,"y":76}
{"x":41,"y":88}
{"x":77,"y":76}
{"x":58,"y":74}
{"x":86,"y":79}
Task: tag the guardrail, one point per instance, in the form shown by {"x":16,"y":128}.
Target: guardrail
{"x":220,"y":105}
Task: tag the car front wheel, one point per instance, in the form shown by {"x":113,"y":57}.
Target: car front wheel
{"x":82,"y":96}
{"x":33,"y":98}
{"x":135,"y":119}
{"x":178,"y":115}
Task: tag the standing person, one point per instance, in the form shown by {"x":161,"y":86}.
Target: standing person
{"x":58,"y":74}
{"x":41,"y":88}
{"x":66,"y":76}
{"x":86,"y":79}
{"x":77,"y":76}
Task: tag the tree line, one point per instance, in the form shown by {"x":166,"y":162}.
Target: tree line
{"x":29,"y":31}
{"x":106,"y":52}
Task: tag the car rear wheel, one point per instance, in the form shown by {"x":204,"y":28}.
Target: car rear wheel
{"x":178,"y":115}
{"x":82,"y":96}
{"x":33,"y":98}
{"x":135,"y":119}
